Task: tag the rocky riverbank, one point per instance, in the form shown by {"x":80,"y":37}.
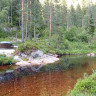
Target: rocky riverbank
{"x":26,"y":63}
{"x":36,"y":58}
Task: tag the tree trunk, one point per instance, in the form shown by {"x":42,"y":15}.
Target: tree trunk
{"x":19,"y":16}
{"x":27,"y":21}
{"x":11,"y":11}
{"x":8,"y":18}
{"x":16,"y":38}
{"x":50,"y":21}
{"x":68,"y":25}
{"x":22,"y":21}
{"x":34,"y":30}
{"x":30,"y":22}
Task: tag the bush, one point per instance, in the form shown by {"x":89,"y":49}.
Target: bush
{"x":77,"y":34}
{"x":2,"y":33}
{"x":71,"y":34}
{"x":87,"y":86}
{"x":28,"y":47}
{"x":83,"y":36}
{"x":6,"y":60}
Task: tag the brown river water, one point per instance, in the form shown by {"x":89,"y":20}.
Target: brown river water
{"x":50,"y":83}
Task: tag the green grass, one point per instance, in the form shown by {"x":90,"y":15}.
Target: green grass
{"x":85,"y":86}
{"x":66,"y":47}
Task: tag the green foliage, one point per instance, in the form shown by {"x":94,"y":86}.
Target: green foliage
{"x":3,"y":55}
{"x":77,"y":34}
{"x":83,"y":36}
{"x":72,"y":33}
{"x":6,"y":60}
{"x":91,"y":26}
{"x":28,"y":47}
{"x":86,"y":86}
{"x":2,"y":33}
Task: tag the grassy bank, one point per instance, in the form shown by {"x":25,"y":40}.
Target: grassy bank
{"x":85,"y":86}
{"x":6,"y":60}
{"x":73,"y":47}
{"x":73,"y":41}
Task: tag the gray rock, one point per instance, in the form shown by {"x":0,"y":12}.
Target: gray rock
{"x":7,"y":29}
{"x":23,"y":63}
{"x":9,"y":75}
{"x":23,"y":55}
{"x":37,"y":53}
{"x":9,"y":71}
{"x":91,"y":54}
{"x":1,"y":78}
{"x":17,"y":58}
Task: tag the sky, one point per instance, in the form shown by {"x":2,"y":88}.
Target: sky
{"x":42,"y":1}
{"x":72,"y":2}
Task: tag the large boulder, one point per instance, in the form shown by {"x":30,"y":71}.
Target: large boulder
{"x":48,"y":60}
{"x":9,"y":75}
{"x":37,"y":53}
{"x":23,"y":63}
{"x":35,"y":62}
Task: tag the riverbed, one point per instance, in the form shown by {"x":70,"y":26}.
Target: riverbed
{"x":51,"y":81}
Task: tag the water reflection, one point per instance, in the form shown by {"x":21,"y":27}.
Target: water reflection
{"x":50,"y":83}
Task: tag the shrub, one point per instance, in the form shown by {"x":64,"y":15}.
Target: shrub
{"x":77,"y":34}
{"x":6,"y":60}
{"x":28,"y":47}
{"x":71,"y":34}
{"x":83,"y":36}
{"x":87,"y":86}
{"x":2,"y":33}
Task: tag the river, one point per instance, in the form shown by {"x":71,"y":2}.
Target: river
{"x":51,"y":81}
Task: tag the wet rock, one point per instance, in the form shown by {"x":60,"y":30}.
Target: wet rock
{"x":9,"y":75}
{"x":91,"y":54}
{"x":1,"y":77}
{"x":36,"y":68}
{"x":23,"y":68}
{"x":25,"y":71}
{"x":9,"y":71}
{"x":37,"y":53}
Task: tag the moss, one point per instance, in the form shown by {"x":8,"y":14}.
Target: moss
{"x":25,"y":59}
